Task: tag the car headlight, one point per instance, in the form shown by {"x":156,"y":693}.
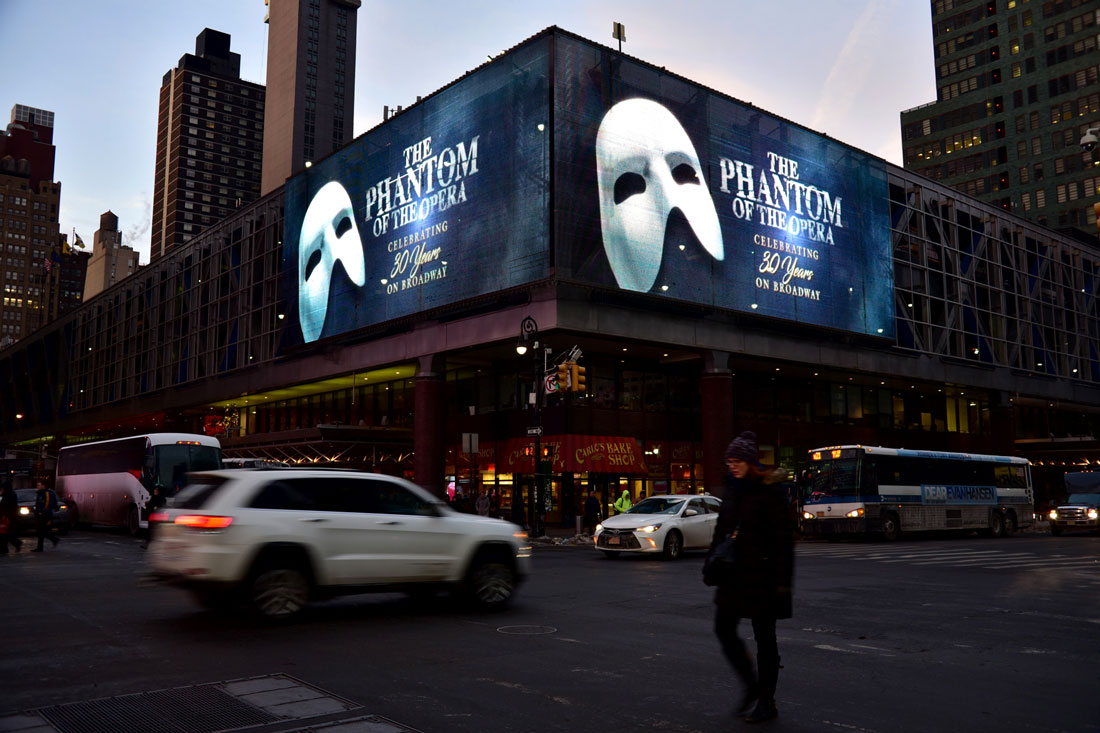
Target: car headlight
{"x":807,"y":515}
{"x":1093,"y":514}
{"x":599,"y":528}
{"x":24,"y":510}
{"x":1053,"y":513}
{"x":855,"y":513}
{"x":650,"y":528}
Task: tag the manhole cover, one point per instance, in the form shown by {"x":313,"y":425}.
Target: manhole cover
{"x":527,"y":630}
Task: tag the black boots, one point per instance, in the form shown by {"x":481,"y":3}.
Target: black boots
{"x":742,"y":664}
{"x":765,"y":707}
{"x":764,"y":710}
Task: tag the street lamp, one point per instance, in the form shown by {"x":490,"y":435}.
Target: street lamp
{"x":529,"y":332}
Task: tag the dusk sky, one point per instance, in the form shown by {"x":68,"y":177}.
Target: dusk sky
{"x":846,"y":68}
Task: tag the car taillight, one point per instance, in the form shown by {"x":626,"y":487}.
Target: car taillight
{"x":200,"y":521}
{"x":158,"y":517}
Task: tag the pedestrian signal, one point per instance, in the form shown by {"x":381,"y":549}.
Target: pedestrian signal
{"x":563,"y":376}
{"x":577,"y":378}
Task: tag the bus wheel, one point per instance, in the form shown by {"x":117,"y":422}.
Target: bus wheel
{"x":1010,"y":524}
{"x":996,"y":524}
{"x":891,"y":527}
{"x":133,"y":521}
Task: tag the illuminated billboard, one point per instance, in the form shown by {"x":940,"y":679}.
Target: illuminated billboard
{"x":446,"y":202}
{"x":660,"y":187}
{"x":667,"y":188}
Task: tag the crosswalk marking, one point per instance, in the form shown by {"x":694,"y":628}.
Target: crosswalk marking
{"x":952,"y":557}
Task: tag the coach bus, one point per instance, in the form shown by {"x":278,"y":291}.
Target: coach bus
{"x":108,"y":482}
{"x":858,"y":489}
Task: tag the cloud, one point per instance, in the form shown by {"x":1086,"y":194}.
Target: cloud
{"x":853,"y":66}
{"x":141,"y":228}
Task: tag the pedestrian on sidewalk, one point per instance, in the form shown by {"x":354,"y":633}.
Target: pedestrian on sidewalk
{"x":754,"y":510}
{"x":482,"y":504}
{"x":45,"y":504}
{"x":623,"y":503}
{"x":591,"y":512}
{"x":9,"y":517}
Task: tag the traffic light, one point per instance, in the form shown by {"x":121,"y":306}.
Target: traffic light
{"x":563,"y":376}
{"x":577,"y":376}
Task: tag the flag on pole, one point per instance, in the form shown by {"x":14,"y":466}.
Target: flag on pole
{"x":77,"y":241}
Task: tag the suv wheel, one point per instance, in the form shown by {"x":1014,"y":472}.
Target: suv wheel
{"x":490,"y":583}
{"x":279,"y":593}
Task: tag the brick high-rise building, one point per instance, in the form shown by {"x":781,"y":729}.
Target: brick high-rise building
{"x":1018,"y":85}
{"x":209,"y":143}
{"x":29,"y":203}
{"x":68,"y":292}
{"x":310,"y":84}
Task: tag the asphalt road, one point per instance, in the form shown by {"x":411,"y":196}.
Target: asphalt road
{"x":938,"y":634}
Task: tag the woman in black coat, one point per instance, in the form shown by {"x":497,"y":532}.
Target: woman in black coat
{"x":755,"y":508}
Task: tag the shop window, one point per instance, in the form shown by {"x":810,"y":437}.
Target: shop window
{"x":630,"y":396}
{"x":656,"y":392}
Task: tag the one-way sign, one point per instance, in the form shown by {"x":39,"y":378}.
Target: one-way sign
{"x":534,"y":431}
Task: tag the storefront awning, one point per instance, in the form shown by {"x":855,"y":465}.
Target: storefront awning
{"x":575,"y":454}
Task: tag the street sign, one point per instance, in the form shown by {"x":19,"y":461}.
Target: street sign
{"x":535,"y":430}
{"x":550,"y":383}
{"x":469,"y":443}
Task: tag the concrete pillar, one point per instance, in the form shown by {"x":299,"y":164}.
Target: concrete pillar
{"x":716,"y":392}
{"x":429,"y":460}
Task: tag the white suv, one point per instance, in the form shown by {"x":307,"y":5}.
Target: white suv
{"x":278,"y":537}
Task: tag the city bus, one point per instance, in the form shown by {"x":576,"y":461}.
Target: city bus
{"x":108,"y":482}
{"x":859,"y":489}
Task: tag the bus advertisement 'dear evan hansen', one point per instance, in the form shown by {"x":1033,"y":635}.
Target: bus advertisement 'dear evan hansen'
{"x":445,"y":202}
{"x":664,"y":187}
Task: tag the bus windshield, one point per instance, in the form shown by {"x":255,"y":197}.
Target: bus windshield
{"x":835,"y":477}
{"x":172,"y":462}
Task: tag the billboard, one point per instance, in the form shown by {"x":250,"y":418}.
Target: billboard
{"x":667,"y":188}
{"x":445,"y":202}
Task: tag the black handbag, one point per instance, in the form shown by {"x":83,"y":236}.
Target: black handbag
{"x":719,"y":566}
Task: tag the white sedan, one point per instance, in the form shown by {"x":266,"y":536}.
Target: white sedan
{"x":668,"y":524}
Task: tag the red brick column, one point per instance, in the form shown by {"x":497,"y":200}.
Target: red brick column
{"x":428,"y":425}
{"x":716,"y":392}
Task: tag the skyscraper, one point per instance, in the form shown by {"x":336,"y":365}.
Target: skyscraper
{"x":209,"y":143}
{"x":310,"y":83}
{"x":111,"y":260}
{"x":29,"y":200}
{"x":1017,"y":88}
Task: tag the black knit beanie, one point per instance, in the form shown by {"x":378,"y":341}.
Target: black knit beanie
{"x":743,"y":448}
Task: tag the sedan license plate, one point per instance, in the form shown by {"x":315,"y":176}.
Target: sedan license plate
{"x":612,"y":540}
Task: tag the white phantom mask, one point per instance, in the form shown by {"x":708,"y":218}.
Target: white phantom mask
{"x":646,"y":167}
{"x":329,"y":235}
